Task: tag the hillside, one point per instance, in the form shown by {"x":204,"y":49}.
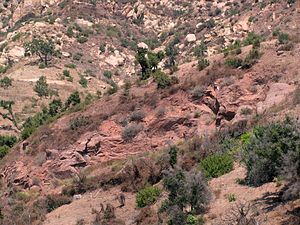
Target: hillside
{"x":149,"y":112}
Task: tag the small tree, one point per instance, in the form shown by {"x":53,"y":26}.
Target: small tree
{"x":74,"y":99}
{"x":41,"y":87}
{"x":55,"y":106}
{"x":5,"y":82}
{"x":44,"y":49}
{"x":173,"y":155}
{"x":144,"y":63}
{"x":186,"y":189}
{"x":7,"y":106}
{"x":148,"y":61}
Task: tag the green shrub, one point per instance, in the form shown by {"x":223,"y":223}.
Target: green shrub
{"x":185,"y":189}
{"x":263,"y":155}
{"x":70,"y":32}
{"x":56,"y":201}
{"x":113,"y":88}
{"x":83,"y":81}
{"x":199,"y":51}
{"x":102,"y":47}
{"x":8,"y":141}
{"x":5,"y":82}
{"x":113,"y":32}
{"x":251,"y":58}
{"x":233,"y":62}
{"x":70,"y":65}
{"x":203,"y":63}
{"x":66,"y":73}
{"x":3,"y":69}
{"x":283,"y":38}
{"x":41,"y":87}
{"x":193,"y":220}
{"x":73,"y":99}
{"x":173,"y":155}
{"x":77,"y":56}
{"x":252,"y":39}
{"x":231,"y":198}
{"x":63,"y":4}
{"x":3,"y":151}
{"x":81,"y":38}
{"x":108,"y":74}
{"x":217,"y":165}
{"x":147,"y":196}
{"x":16,"y":37}
{"x":162,"y":79}
{"x":3,"y":46}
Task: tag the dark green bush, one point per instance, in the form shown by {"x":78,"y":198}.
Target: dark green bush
{"x":83,"y":81}
{"x":263,"y":155}
{"x":55,"y":201}
{"x":251,"y":58}
{"x":108,"y":74}
{"x":217,"y":165}
{"x":147,"y":196}
{"x":3,"y":151}
{"x":199,"y":51}
{"x":77,"y":56}
{"x":9,"y":141}
{"x":186,"y":189}
{"x":252,"y":39}
{"x":162,"y":79}
{"x":173,"y":155}
{"x":5,"y":82}
{"x":73,"y":99}
{"x":233,"y":62}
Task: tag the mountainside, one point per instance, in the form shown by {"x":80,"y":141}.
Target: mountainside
{"x":149,"y":112}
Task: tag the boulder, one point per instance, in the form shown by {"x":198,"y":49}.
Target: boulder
{"x":115,"y":60}
{"x":191,"y":38}
{"x":66,"y":54}
{"x":16,"y":53}
{"x":143,"y":45}
{"x":84,"y":23}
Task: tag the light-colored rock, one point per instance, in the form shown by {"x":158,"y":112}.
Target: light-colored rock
{"x":115,"y":60}
{"x":40,"y":24}
{"x":191,"y":38}
{"x":66,"y":54}
{"x":143,"y":45}
{"x":16,"y":53}
{"x":83,"y":23}
{"x":77,"y":197}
